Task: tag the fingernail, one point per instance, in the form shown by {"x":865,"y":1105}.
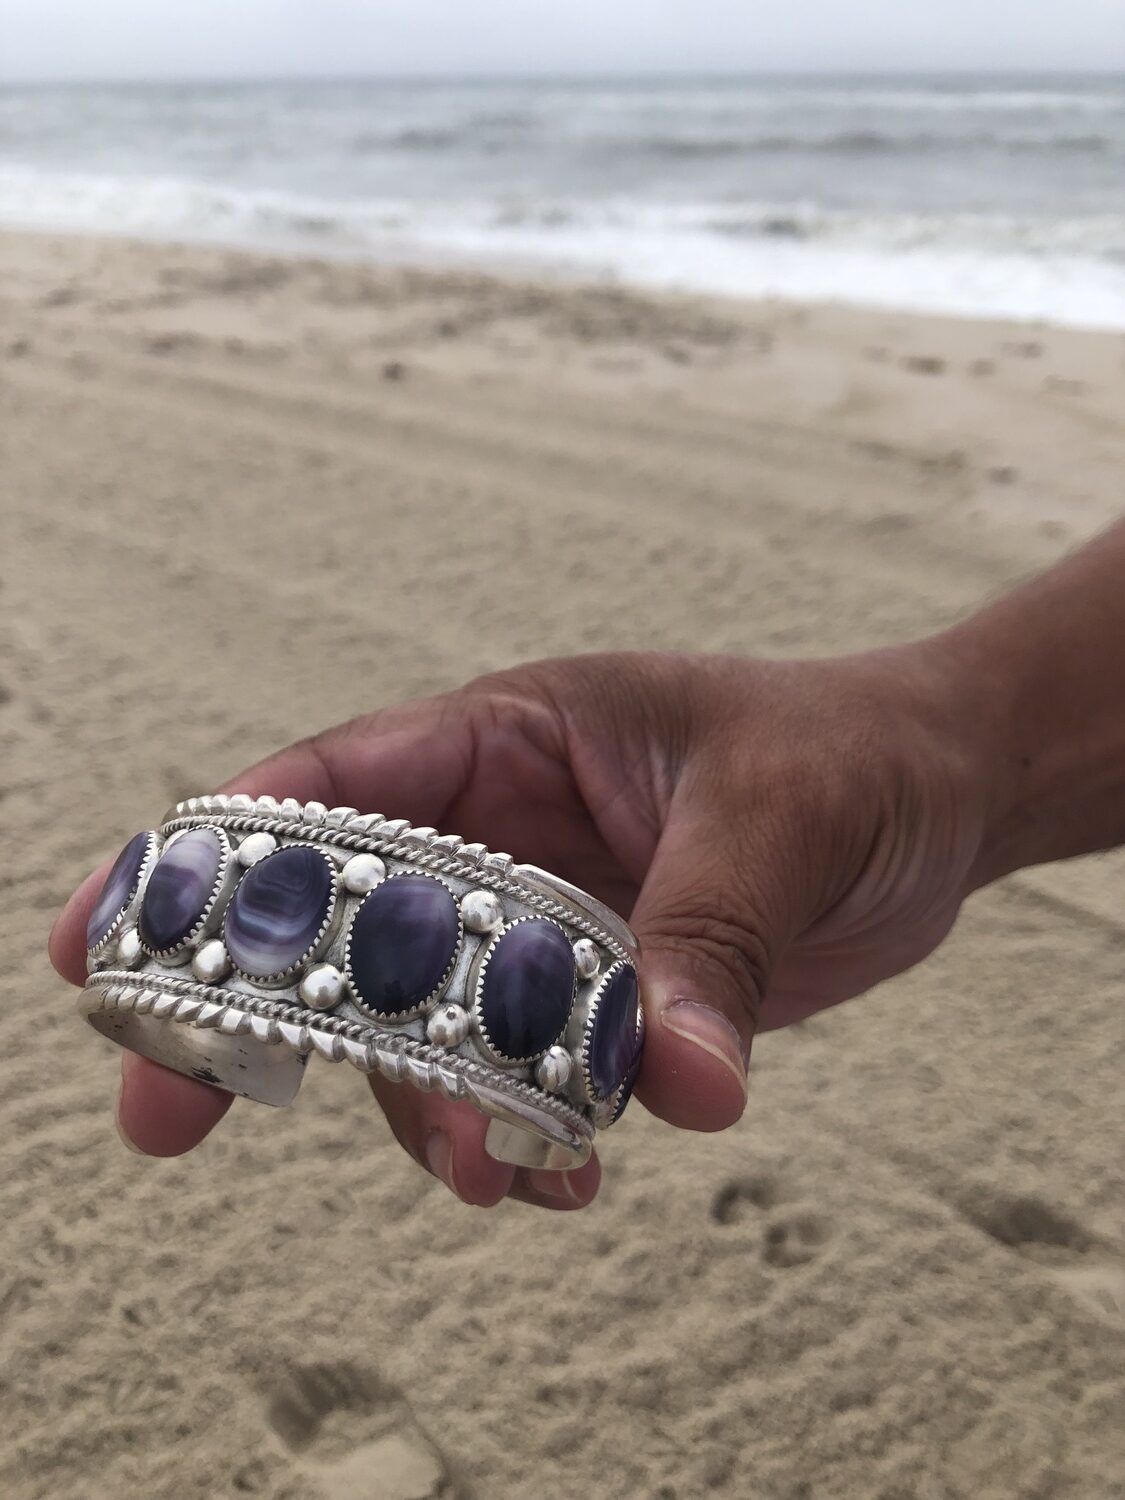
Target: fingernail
{"x":129,"y":1061}
{"x":125,"y":1141}
{"x":711,"y":1031}
{"x":553,"y":1185}
{"x":439,"y":1158}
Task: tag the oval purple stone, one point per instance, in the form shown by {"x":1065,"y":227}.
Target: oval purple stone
{"x":402,"y":943}
{"x":527,"y":989}
{"x":279,"y":911}
{"x":179,"y":889}
{"x":630,"y":1078}
{"x":119,"y":889}
{"x":613,"y":1032}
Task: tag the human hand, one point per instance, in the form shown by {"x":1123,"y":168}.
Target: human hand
{"x":784,"y":835}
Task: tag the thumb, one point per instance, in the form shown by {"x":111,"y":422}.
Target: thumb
{"x":718,"y":906}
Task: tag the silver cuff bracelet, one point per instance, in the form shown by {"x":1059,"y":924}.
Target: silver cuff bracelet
{"x":246,"y":933}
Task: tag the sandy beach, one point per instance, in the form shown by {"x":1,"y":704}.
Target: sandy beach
{"x":246,"y":497}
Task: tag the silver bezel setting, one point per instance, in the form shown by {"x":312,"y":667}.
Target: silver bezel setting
{"x":480,"y":967}
{"x":596,"y":999}
{"x":394,"y":1017}
{"x":114,"y":928}
{"x":286,"y":975}
{"x":183,"y":948}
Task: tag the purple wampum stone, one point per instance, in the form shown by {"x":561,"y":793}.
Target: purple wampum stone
{"x":179,"y":889}
{"x":278,"y":911}
{"x":630,"y":1078}
{"x":613,"y":1032}
{"x":527,"y":989}
{"x":119,"y":889}
{"x":402,"y":942}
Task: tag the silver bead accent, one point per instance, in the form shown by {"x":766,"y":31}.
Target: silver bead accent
{"x":362,"y":873}
{"x":481,"y":911}
{"x":255,"y":846}
{"x":322,"y":987}
{"x":587,"y":959}
{"x":448,"y":1026}
{"x":554,"y":1069}
{"x":210,"y":962}
{"x":129,"y":952}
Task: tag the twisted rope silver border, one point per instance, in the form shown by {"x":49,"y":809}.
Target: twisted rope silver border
{"x":397,"y":1058}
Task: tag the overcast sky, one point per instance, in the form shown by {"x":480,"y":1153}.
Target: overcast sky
{"x":255,"y":38}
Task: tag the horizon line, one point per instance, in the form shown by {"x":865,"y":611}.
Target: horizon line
{"x":591,"y":75}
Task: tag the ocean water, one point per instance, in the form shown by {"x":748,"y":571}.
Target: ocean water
{"x":974,"y":196}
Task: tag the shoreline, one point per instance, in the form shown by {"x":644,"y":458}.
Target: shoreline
{"x":969,"y":195}
{"x":798,"y":284}
{"x":562,"y":278}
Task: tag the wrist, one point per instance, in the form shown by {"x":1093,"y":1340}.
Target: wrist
{"x":954,"y":733}
{"x":983,"y":673}
{"x":1037,"y":692}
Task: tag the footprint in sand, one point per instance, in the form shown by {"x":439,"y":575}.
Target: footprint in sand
{"x":1002,"y":474}
{"x":923,"y":364}
{"x":356,"y":1438}
{"x":792,"y":1235}
{"x":1077,"y":1260}
{"x":1062,"y":386}
{"x":794,"y":1239}
{"x":734,"y":1198}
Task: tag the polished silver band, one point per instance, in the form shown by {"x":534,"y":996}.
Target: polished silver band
{"x":528,"y":1008}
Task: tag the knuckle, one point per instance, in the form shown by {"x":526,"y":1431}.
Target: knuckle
{"x":732,"y":941}
{"x":501,"y":708}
